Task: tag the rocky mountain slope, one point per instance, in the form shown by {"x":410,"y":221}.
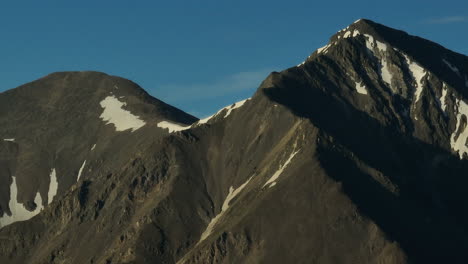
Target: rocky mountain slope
{"x":357,"y":155}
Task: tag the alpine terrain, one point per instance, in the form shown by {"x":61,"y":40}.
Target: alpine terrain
{"x":357,"y":155}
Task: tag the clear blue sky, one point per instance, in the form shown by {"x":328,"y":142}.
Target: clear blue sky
{"x":197,"y":55}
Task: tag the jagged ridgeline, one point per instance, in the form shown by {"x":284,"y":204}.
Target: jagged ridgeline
{"x":357,"y":155}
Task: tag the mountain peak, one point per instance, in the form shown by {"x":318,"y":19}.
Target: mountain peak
{"x":366,"y":26}
{"x":364,"y":36}
{"x":365,"y":142}
{"x":401,"y":80}
{"x":87,"y":89}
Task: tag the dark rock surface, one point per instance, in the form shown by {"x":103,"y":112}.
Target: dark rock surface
{"x":358,"y":155}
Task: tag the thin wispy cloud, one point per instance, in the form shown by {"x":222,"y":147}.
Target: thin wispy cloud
{"x":447,"y":20}
{"x":230,"y":84}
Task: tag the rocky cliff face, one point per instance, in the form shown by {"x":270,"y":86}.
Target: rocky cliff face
{"x":357,"y":155}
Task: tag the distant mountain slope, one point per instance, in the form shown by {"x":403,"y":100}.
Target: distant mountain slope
{"x":357,"y":155}
{"x":58,"y":128}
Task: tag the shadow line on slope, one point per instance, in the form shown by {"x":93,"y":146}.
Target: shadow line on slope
{"x":430,"y":179}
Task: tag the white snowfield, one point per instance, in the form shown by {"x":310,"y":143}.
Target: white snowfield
{"x":272,"y":180}
{"x":418,"y":74}
{"x":53,"y":186}
{"x":385,"y":72}
{"x":458,"y":144}
{"x":229,"y":110}
{"x":374,"y":45}
{"x":356,"y":33}
{"x":173,"y":127}
{"x":347,"y":34}
{"x":81,"y":170}
{"x":234,"y":106}
{"x":231,"y":195}
{"x":122,"y":119}
{"x":300,"y":64}
{"x":361,"y":88}
{"x":9,"y":139}
{"x":18,"y":211}
{"x":443,"y":104}
{"x":325,"y":48}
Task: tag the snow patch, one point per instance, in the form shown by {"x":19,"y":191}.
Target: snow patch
{"x":9,"y":139}
{"x":176,"y":127}
{"x":81,"y":170}
{"x":327,"y":50}
{"x":231,"y":195}
{"x":122,"y":119}
{"x":369,"y":42}
{"x":18,"y":211}
{"x":92,"y":148}
{"x":235,"y":106}
{"x":344,"y":29}
{"x":356,"y":33}
{"x":272,"y":180}
{"x":385,"y":72}
{"x":347,"y":34}
{"x":418,"y":74}
{"x":443,"y":105}
{"x":323,"y":49}
{"x":229,"y":110}
{"x":53,"y":186}
{"x":206,"y":119}
{"x":381,"y":46}
{"x":373,"y":44}
{"x":459,"y":144}
{"x":453,"y":68}
{"x":172,"y":127}
{"x":361,"y":88}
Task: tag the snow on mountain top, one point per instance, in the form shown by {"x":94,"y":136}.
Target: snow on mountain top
{"x":234,"y":106}
{"x":172,"y":127}
{"x":228,"y":108}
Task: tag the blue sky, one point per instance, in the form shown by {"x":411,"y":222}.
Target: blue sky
{"x":197,"y":55}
